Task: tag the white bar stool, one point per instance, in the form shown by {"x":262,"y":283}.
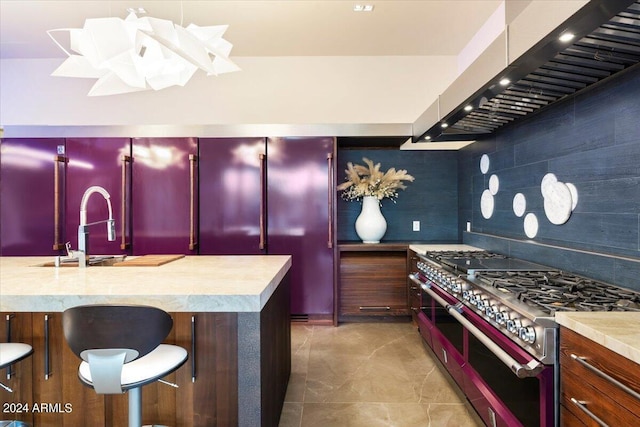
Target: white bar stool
{"x":121,"y":349}
{"x":10,"y":353}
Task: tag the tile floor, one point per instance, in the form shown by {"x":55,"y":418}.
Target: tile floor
{"x":369,"y":374}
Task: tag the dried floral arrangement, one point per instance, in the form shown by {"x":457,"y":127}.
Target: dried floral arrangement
{"x":370,"y":181}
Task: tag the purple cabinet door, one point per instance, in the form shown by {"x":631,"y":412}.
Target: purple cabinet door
{"x":164,"y":196}
{"x":101,"y":162}
{"x":298,"y":194}
{"x":30,"y":168}
{"x":232,"y":198}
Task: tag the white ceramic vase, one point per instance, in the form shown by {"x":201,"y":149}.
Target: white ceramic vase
{"x":370,"y":224}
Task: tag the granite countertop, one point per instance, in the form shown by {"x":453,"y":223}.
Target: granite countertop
{"x":618,"y":331}
{"x":423,"y":248}
{"x":192,"y":283}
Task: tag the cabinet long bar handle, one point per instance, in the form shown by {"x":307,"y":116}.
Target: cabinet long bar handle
{"x":193,"y":243}
{"x":583,"y":407}
{"x":330,"y":192}
{"x":193,"y":349}
{"x":126,"y":162}
{"x":606,"y":376}
{"x":374,"y":308}
{"x":492,"y":417}
{"x":262,"y":244}
{"x":8,"y":328}
{"x":57,"y":206}
{"x":47,"y":370}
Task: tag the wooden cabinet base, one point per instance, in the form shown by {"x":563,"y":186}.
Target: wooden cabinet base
{"x":373,"y":283}
{"x":593,"y":381}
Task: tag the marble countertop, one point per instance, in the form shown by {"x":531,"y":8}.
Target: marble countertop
{"x":618,"y":331}
{"x":192,"y":283}
{"x":422,"y":249}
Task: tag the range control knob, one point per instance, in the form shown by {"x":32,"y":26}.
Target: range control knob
{"x":466,"y":295}
{"x":501,"y":317}
{"x":473,"y":298}
{"x":491,"y":311}
{"x":481,"y":303}
{"x":527,"y":334}
{"x":456,"y":286}
{"x":513,"y":326}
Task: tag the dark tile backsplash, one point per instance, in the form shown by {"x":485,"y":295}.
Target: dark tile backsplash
{"x":431,"y":199}
{"x":591,"y":140}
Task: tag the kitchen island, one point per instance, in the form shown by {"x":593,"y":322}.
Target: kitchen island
{"x":230,"y":312}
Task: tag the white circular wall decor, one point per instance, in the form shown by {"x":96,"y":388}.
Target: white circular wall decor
{"x":557,"y":203}
{"x":548,"y":180}
{"x":574,"y":195}
{"x":494,"y":184}
{"x":486,"y":204}
{"x":484,"y":164}
{"x":519,"y":204}
{"x":531,"y":225}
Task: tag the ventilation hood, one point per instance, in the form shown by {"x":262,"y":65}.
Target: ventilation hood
{"x":607,"y":41}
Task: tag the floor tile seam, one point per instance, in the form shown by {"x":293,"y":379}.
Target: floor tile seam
{"x":300,"y":348}
{"x":308,"y":361}
{"x":388,"y":401}
{"x":353,"y":353}
{"x":375,"y":402}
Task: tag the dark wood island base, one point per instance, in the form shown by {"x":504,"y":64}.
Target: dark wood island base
{"x":236,"y":374}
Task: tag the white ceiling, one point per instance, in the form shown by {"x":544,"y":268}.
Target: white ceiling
{"x":268,"y":28}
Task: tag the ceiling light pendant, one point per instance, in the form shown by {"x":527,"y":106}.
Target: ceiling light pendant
{"x":137,"y":54}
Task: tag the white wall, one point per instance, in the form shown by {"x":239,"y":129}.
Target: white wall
{"x":268,"y":90}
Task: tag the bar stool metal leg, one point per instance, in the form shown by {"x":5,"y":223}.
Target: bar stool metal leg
{"x":135,"y":406}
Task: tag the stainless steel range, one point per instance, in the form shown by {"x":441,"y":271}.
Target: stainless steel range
{"x":490,"y":320}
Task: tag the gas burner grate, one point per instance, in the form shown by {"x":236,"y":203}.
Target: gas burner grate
{"x":553,"y":291}
{"x":440,"y":255}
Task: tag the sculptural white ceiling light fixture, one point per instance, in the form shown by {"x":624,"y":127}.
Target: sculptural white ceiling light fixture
{"x":146,"y":53}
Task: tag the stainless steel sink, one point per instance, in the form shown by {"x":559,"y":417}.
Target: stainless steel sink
{"x":94,"y":261}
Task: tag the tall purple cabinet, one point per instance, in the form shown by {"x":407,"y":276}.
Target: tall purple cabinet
{"x":233,"y":196}
{"x":105,"y":162}
{"x":32,"y":180}
{"x":165,"y":196}
{"x":273,"y":197}
{"x":300,"y":198}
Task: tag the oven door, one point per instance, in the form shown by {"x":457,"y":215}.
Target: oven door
{"x":529,"y":400}
{"x":506,"y":386}
{"x":434,"y":316}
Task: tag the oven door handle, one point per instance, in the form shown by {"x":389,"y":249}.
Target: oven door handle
{"x":530,"y":369}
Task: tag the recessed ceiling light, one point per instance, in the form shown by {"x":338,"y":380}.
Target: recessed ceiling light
{"x":468,"y":108}
{"x":444,"y":125}
{"x":363,"y":8}
{"x":505,"y":82}
{"x":565,"y":37}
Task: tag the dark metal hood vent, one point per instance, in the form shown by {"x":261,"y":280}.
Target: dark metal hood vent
{"x":608,"y":41}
